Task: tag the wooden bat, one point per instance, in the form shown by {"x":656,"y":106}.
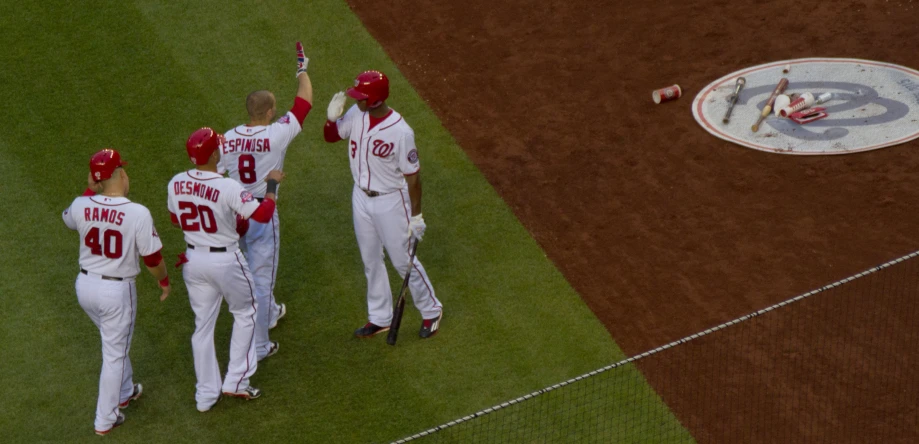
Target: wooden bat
{"x":779,"y":89}
{"x":399,"y":308}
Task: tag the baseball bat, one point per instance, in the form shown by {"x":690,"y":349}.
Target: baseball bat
{"x":779,"y":89}
{"x":737,"y":87}
{"x":399,"y":308}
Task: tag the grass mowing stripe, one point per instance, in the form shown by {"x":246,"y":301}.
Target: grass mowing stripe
{"x":140,"y":77}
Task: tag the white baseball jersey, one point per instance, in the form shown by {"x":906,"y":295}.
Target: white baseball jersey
{"x":206,"y":205}
{"x":252,"y":151}
{"x":380,"y":157}
{"x":114,"y":231}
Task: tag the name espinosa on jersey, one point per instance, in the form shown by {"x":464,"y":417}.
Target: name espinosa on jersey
{"x":247,"y":146}
{"x":197,"y":189}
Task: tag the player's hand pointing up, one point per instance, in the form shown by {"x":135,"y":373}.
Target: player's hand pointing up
{"x":302,"y":60}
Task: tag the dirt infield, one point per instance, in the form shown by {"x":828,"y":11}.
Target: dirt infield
{"x":663,"y":229}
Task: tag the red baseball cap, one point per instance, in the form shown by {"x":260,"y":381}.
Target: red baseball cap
{"x":102,"y":165}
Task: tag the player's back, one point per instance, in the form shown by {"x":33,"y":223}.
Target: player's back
{"x":113,"y":232}
{"x":205,"y":205}
{"x":250,"y":152}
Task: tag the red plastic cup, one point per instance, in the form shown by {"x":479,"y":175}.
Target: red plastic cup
{"x":667,"y":94}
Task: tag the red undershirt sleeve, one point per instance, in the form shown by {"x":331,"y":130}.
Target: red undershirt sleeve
{"x":154,"y":259}
{"x":242,"y":226}
{"x":330,"y":131}
{"x":264,"y":212}
{"x":89,"y":192}
{"x":173,"y":218}
{"x":300,"y":109}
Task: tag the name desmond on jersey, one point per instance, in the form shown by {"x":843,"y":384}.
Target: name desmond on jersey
{"x":247,"y":146}
{"x":196,"y":189}
{"x":96,"y":214}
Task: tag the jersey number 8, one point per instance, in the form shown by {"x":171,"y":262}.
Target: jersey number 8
{"x":109,"y":245}
{"x":197,"y":218}
{"x":247,"y":168}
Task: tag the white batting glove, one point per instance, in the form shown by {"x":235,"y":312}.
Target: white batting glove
{"x":416,"y":227}
{"x":336,"y":106}
{"x":302,"y":61}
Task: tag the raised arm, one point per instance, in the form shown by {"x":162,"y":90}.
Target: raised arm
{"x":303,"y":103}
{"x":336,"y":108}
{"x":305,"y":86}
{"x":92,"y":188}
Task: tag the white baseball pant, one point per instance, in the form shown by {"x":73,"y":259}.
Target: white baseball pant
{"x":112,"y":306}
{"x":212,"y":277}
{"x":261,"y":244}
{"x":382,"y":222}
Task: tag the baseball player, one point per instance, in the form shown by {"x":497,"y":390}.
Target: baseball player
{"x":250,"y":153}
{"x":386,"y":199}
{"x":207,"y":206}
{"x":113,"y":232}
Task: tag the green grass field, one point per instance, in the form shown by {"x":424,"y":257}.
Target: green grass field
{"x":140,"y":77}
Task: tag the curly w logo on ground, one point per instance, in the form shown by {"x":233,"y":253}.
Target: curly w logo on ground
{"x":861,"y":105}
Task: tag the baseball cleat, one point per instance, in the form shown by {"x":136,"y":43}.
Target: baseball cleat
{"x":117,"y":423}
{"x":369,"y":329}
{"x":429,"y":327}
{"x":249,"y":393}
{"x":282,"y":310}
{"x":273,"y":347}
{"x":138,"y":389}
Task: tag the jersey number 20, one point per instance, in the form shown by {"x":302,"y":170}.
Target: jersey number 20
{"x":108,"y":245}
{"x":247,"y":168}
{"x":197,"y":218}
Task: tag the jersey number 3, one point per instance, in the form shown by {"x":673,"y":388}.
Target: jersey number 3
{"x":197,"y":218}
{"x":108,"y":245}
{"x":247,"y":168}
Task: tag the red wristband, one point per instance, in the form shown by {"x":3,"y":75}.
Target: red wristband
{"x":164,"y":282}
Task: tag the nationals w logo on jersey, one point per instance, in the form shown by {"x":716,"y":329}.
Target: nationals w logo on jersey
{"x":381,"y":149}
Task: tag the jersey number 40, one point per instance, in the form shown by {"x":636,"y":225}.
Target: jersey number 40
{"x":197,"y":218}
{"x":108,"y":244}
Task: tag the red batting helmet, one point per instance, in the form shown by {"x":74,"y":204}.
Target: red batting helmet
{"x":202,"y":143}
{"x":372,"y":86}
{"x":102,"y":165}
